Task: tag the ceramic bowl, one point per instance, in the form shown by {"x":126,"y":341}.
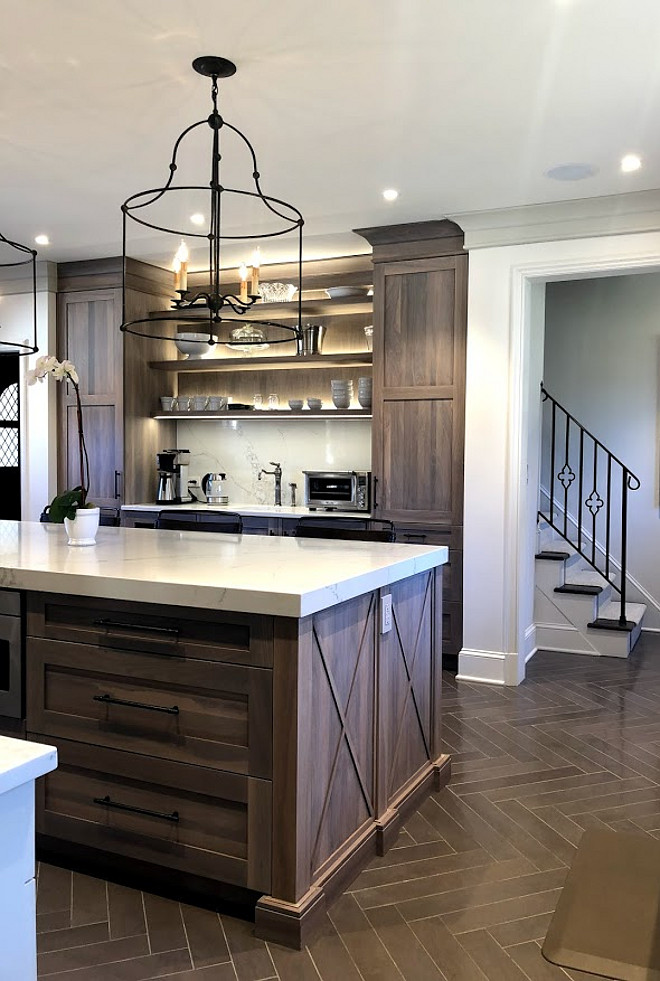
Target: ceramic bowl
{"x":338,"y":292}
{"x":194,"y":344}
{"x":295,"y":403}
{"x":277,"y":292}
{"x":314,"y":403}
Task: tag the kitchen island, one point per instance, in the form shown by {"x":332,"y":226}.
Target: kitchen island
{"x":239,"y":716}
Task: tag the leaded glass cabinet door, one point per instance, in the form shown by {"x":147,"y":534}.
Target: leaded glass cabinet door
{"x":10,"y":448}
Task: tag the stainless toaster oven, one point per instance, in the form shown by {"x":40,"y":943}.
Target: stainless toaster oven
{"x":337,"y":490}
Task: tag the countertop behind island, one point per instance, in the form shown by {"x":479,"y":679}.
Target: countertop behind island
{"x":279,"y":576}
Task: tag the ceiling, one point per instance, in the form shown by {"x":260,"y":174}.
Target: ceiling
{"x":461,"y":105}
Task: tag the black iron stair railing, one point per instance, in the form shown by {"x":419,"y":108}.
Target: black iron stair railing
{"x":588,"y":488}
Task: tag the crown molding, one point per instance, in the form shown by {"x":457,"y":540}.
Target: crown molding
{"x":617,"y":214}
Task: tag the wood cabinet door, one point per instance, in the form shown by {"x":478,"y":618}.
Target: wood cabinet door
{"x":89,"y":336}
{"x":419,"y":388}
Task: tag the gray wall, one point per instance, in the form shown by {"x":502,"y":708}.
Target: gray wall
{"x":602,"y":362}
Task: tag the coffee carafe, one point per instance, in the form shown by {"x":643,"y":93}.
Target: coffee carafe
{"x":173,"y":476}
{"x":213,"y":488}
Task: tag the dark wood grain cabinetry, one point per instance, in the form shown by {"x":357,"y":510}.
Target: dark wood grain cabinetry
{"x":270,"y":754}
{"x":420,"y":326}
{"x":118,"y":392}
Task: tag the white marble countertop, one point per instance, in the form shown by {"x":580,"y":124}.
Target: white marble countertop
{"x":275,"y":575}
{"x":21,"y":761}
{"x":250,"y":510}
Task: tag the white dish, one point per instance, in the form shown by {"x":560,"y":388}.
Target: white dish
{"x":194,"y":344}
{"x":338,"y":292}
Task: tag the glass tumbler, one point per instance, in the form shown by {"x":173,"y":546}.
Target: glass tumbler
{"x":273,"y":401}
{"x":258,"y":401}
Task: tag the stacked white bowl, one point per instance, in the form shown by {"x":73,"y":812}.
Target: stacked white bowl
{"x":365,"y":392}
{"x":342,"y":392}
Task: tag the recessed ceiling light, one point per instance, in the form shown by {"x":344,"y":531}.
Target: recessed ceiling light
{"x":42,"y":240}
{"x":571,"y":172}
{"x":630,"y":162}
{"x":197,"y":219}
{"x":390,"y":194}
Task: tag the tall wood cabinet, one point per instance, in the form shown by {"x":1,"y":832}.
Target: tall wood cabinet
{"x":118,"y":391}
{"x":420,"y":319}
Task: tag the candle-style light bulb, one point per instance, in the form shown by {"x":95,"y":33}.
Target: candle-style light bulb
{"x":256,"y":262}
{"x":243,"y":275}
{"x":181,"y":256}
{"x":176,"y":266}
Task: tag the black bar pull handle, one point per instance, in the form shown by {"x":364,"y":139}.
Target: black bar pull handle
{"x":112,"y":700}
{"x":146,"y":628}
{"x":108,"y":802}
{"x":375,"y":485}
{"x":118,"y":476}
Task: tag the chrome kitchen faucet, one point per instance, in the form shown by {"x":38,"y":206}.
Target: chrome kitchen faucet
{"x":277,"y":474}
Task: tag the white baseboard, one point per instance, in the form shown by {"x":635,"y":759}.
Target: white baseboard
{"x":531,"y":647}
{"x":486,"y":667}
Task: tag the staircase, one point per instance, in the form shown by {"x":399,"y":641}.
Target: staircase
{"x":576,"y":610}
{"x":580,"y":602}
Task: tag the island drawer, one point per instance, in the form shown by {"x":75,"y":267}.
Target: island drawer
{"x":182,"y":631}
{"x":201,"y":712}
{"x":200,"y":821}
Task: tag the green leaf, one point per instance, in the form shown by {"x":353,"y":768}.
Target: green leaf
{"x":65,"y":505}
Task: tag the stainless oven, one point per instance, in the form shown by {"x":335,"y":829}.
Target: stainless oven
{"x":337,"y":490}
{"x":11,"y":654}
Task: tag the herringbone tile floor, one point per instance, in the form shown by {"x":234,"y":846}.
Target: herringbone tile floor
{"x":467,"y":893}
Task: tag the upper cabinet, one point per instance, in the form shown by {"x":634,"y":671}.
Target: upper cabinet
{"x":117,"y":391}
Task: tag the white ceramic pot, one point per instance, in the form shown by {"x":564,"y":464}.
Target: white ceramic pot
{"x":82,"y":529}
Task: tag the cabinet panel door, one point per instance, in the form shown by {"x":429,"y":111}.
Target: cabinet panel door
{"x":89,"y":336}
{"x":419,"y":323}
{"x":417,"y":470}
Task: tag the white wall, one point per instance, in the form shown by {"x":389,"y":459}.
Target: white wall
{"x":602,"y":361}
{"x":38,"y":402}
{"x":505,"y":329}
{"x":240,"y":449}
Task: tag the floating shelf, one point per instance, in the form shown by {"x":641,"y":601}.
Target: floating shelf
{"x":343,"y":307}
{"x":361,"y":359}
{"x":265,"y":414}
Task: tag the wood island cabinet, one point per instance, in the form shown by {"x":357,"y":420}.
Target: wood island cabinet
{"x":267,"y":756}
{"x":117,"y":390}
{"x":420,"y":326}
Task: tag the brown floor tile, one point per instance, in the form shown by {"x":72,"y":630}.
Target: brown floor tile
{"x":92,"y":933}
{"x":433,"y":885}
{"x":373,"y":877}
{"x":446,"y":951}
{"x":363,"y":944}
{"x":126,"y":911}
{"x":54,"y":889}
{"x":403,"y":946}
{"x":106,"y":952}
{"x":164,"y":924}
{"x":218,"y":972}
{"x":293,"y":965}
{"x":206,"y":938}
{"x":330,"y":956}
{"x":249,"y":955}
{"x":520,"y":931}
{"x":491,"y":958}
{"x":529,"y":958}
{"x":136,"y":969}
{"x":90,"y":901}
{"x":53,"y":921}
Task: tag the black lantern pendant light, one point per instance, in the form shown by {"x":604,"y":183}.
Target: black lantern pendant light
{"x":213,"y":311}
{"x":12,"y":255}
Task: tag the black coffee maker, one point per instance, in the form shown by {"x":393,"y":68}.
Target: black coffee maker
{"x":173,"y":477}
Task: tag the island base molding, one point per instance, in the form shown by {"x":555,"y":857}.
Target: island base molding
{"x":295,"y":924}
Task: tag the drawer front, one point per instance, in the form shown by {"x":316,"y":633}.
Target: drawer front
{"x":201,"y":634}
{"x":200,"y":712}
{"x":196,"y":820}
{"x":452,"y":571}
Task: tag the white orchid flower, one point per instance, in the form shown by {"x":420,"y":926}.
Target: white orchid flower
{"x":70,"y":370}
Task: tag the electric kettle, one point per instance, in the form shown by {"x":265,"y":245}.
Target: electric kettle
{"x":212,"y":487}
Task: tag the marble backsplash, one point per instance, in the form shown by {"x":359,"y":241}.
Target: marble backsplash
{"x":240,"y":449}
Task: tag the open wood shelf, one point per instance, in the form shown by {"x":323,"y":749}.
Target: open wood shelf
{"x":362,"y":358}
{"x":339,"y":307}
{"x":261,"y":414}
